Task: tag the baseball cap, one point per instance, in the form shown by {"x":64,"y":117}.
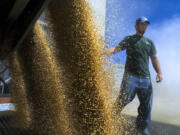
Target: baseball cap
{"x":142,"y":20}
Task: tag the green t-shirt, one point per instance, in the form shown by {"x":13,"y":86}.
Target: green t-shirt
{"x":138,"y":50}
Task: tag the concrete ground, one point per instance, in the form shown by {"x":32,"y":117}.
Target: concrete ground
{"x":126,"y":125}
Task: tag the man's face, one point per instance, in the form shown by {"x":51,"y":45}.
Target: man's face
{"x":141,"y":27}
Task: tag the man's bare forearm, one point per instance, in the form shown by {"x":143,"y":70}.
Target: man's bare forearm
{"x":111,"y":51}
{"x":156,"y":64}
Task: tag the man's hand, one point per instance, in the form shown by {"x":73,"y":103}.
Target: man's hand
{"x":108,"y":51}
{"x":112,"y":50}
{"x":156,"y":66}
{"x":159,"y":77}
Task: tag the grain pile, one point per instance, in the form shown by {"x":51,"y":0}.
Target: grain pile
{"x":79,"y":54}
{"x":43,"y":86}
{"x":70,"y":94}
{"x":21,"y":117}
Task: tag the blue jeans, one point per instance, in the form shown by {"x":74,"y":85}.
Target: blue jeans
{"x":132,"y":85}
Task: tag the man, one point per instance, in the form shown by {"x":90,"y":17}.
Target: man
{"x":136,"y":79}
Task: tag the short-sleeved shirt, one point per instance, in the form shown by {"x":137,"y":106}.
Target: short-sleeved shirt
{"x":138,"y":50}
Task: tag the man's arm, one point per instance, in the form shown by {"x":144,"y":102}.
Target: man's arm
{"x":120,"y":47}
{"x":112,"y":50}
{"x":157,"y":67}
